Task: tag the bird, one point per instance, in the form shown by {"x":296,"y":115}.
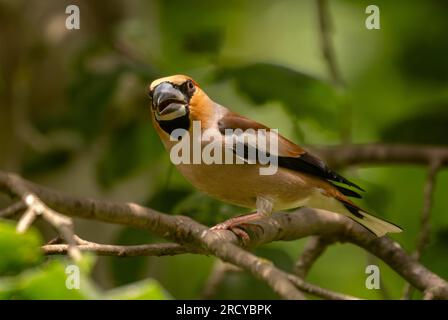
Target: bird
{"x":301,"y":179}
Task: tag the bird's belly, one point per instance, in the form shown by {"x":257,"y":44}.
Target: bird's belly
{"x":241,"y":184}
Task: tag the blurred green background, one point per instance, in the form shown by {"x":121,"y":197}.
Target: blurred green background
{"x":74,"y":116}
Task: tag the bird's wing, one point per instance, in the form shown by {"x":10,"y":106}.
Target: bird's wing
{"x":290,"y":155}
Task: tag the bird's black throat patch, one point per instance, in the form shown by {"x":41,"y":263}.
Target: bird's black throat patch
{"x":178,"y":123}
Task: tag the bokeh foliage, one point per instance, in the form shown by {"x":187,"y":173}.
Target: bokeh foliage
{"x":74,"y":115}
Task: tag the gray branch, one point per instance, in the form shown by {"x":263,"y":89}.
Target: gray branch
{"x":226,"y":246}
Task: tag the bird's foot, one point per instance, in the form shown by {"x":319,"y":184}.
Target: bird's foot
{"x":235,"y":225}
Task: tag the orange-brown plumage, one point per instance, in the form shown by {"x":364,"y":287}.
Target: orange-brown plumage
{"x":302,"y":179}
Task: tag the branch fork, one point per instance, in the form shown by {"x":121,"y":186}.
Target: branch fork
{"x":189,"y":236}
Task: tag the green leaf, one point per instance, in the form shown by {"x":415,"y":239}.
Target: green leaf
{"x":18,"y":251}
{"x":133,"y":269}
{"x":301,"y":94}
{"x":7,"y":288}
{"x":87,"y":262}
{"x":147,"y":289}
{"x":428,"y":126}
{"x":49,"y":282}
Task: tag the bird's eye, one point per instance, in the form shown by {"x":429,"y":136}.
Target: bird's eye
{"x":190,"y":86}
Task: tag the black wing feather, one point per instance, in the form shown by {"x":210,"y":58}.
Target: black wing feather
{"x":312,"y":165}
{"x":303,"y":162}
{"x":347,"y":192}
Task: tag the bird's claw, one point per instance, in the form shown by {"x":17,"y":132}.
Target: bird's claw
{"x":238,"y":225}
{"x":237,"y":230}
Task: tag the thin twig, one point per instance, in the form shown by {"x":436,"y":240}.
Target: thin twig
{"x":159,"y":249}
{"x":26,"y":220}
{"x":259,"y":267}
{"x":223,"y":244}
{"x":377,"y":153}
{"x":36,"y":207}
{"x":314,"y":248}
{"x":318,"y":291}
{"x":425,"y":219}
{"x":329,"y":55}
{"x":325,"y":30}
{"x":216,"y":277}
{"x":13,"y":209}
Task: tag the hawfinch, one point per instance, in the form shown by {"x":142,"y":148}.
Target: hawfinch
{"x":301,"y":179}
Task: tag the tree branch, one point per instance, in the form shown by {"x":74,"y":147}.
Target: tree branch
{"x":36,"y":207}
{"x":216,"y":277}
{"x":325,"y":30}
{"x":224,"y":244}
{"x":159,"y":249}
{"x":355,"y":154}
{"x":329,"y":54}
{"x":181,"y":229}
{"x":423,"y":238}
{"x":13,"y":209}
{"x":318,"y":291}
{"x":314,"y":248}
{"x":425,"y":224}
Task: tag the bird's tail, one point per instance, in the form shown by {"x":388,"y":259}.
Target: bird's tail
{"x":376,"y":225}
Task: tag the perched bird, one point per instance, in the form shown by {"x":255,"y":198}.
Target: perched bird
{"x":302,"y":179}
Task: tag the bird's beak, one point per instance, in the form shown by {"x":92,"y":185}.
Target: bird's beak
{"x":169,"y":102}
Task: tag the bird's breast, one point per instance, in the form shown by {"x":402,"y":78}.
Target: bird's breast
{"x":241,"y":184}
{"x":236,"y":183}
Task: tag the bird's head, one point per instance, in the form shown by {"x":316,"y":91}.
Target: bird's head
{"x":171,"y":97}
{"x":176,"y":101}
